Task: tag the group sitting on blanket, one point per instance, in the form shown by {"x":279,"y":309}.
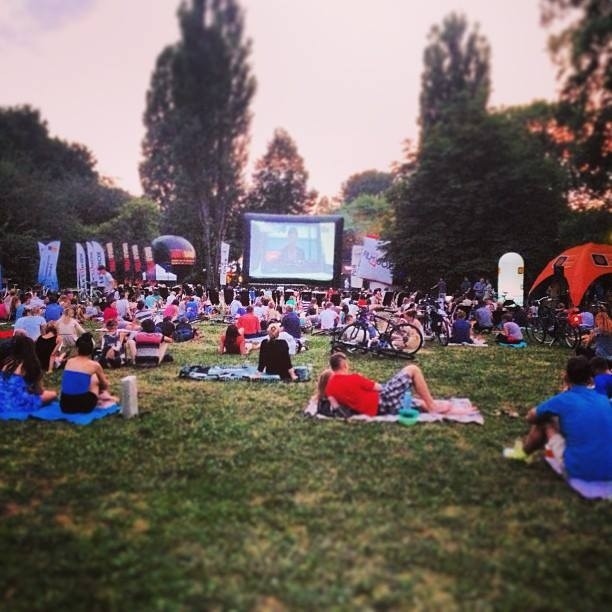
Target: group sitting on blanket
{"x":575,"y":425}
{"x":347,"y":390}
{"x":83,"y":384}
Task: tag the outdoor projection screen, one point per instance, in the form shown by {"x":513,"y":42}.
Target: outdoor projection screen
{"x":292,"y":249}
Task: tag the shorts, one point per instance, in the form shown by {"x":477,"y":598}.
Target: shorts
{"x":79,"y":403}
{"x":392,"y":393}
{"x":556,"y":447}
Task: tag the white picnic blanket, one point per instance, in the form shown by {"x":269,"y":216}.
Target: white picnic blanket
{"x":462,"y":411}
{"x":588,"y":489}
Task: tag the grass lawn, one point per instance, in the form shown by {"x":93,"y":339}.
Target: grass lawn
{"x":223,"y":496}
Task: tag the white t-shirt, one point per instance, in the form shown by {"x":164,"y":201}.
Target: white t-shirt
{"x":328,"y":318}
{"x":290,"y":340}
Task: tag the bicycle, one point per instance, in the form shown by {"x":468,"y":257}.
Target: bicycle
{"x":90,"y":292}
{"x":550,"y":327}
{"x":386,"y":336}
{"x":435,"y":320}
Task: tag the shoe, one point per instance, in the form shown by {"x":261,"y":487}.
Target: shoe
{"x":517,"y":452}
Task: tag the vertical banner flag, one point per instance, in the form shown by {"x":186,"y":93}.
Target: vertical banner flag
{"x":126,"y":258}
{"x":223,"y":261}
{"x":91,"y":260}
{"x":81,"y":267}
{"x":373,"y":265}
{"x":356,"y":281}
{"x":99,"y":260}
{"x":148,"y":253}
{"x":47,"y":269}
{"x":136,"y":256}
{"x":111,"y":257}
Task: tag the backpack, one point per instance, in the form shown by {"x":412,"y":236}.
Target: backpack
{"x":183,"y":332}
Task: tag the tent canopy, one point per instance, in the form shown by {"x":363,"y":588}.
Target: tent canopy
{"x":581,"y":265}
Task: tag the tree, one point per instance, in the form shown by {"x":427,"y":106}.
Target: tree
{"x":197,"y":119}
{"x":49,"y":190}
{"x":484,"y":185}
{"x":279,"y":183}
{"x":582,"y":50}
{"x":456,"y":71}
{"x":138,"y":222}
{"x":368,"y":182}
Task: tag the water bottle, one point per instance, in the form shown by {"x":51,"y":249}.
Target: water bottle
{"x":407,"y":399}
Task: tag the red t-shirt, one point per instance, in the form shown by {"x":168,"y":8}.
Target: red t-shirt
{"x":249,"y":323}
{"x":355,"y":391}
{"x":233,"y":350}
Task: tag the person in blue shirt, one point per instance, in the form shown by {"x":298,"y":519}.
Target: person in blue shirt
{"x":53,"y":310}
{"x":462,"y":330}
{"x":577,"y":426}
{"x":602,"y":377}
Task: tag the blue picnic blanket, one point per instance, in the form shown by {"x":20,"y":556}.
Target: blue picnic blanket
{"x":53,"y":412}
{"x":522,"y":344}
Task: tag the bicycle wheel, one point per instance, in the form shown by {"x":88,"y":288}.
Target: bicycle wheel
{"x":570,"y":336}
{"x":539,"y":330}
{"x":403,"y":340}
{"x":351,"y":338}
{"x":443,"y":333}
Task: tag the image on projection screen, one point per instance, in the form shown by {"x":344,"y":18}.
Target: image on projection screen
{"x":290,"y":249}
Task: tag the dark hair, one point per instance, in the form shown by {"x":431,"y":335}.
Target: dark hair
{"x":21,"y":351}
{"x":598,"y":365}
{"x":336,"y":360}
{"x":148,"y":326}
{"x":578,"y":370}
{"x":85,"y":344}
{"x":231,"y":339}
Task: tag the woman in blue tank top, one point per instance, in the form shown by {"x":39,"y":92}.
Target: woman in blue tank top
{"x":83,"y":381}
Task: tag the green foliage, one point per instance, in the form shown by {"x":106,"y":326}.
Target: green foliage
{"x":456,"y":71}
{"x":137,"y":222}
{"x":222,"y":496}
{"x":279,"y":183}
{"x":483,"y":186}
{"x":368,"y":182}
{"x":580,"y":226}
{"x":582,"y":50}
{"x":49,"y":190}
{"x":366,"y":214}
{"x":197,"y":120}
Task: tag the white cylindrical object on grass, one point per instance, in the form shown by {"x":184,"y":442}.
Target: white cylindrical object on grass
{"x":129,"y":397}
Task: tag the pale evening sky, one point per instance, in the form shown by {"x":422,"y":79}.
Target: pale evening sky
{"x":341,"y":76}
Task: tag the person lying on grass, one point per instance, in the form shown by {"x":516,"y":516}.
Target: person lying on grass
{"x":366,"y":396}
{"x":576,"y":423}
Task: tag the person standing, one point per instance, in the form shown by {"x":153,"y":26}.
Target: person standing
{"x":106,"y":282}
